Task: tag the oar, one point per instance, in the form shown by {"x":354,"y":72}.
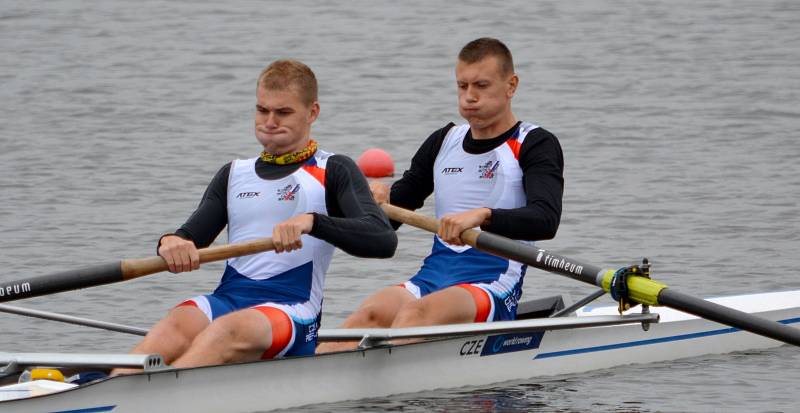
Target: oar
{"x":641,"y":290}
{"x":118,"y":271}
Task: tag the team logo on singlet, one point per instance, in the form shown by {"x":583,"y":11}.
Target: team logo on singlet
{"x":288,"y":193}
{"x":487,"y":170}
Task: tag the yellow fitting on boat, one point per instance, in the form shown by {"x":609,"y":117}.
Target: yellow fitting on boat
{"x":46,"y":374}
{"x":640,"y":289}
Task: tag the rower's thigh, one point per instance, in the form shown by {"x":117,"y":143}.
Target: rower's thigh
{"x":242,"y":335}
{"x":247,"y":328}
{"x":448,"y":306}
{"x":380,"y":309}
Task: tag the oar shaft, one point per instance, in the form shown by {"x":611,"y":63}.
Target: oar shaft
{"x":641,"y":290}
{"x":505,"y":247}
{"x":729,"y":316}
{"x":62,"y":281}
{"x":118,"y":271}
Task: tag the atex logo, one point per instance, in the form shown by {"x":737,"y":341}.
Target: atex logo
{"x":452,"y":171}
{"x":487,"y":170}
{"x":288,"y":193}
{"x":244,"y":195}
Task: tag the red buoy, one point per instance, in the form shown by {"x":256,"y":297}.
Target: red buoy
{"x":376,"y":163}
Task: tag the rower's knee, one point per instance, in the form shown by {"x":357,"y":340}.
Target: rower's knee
{"x":414,"y":313}
{"x":369,"y":315}
{"x":170,"y":337}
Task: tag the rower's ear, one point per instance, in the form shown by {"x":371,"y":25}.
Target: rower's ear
{"x":513,"y":82}
{"x":314,"y":113}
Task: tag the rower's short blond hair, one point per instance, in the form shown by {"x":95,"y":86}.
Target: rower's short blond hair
{"x":290,"y":74}
{"x":484,"y":47}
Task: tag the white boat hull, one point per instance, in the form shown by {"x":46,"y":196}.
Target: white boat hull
{"x":447,"y":363}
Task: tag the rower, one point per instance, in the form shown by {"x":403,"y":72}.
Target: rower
{"x":268,"y":305}
{"x":494,"y":172}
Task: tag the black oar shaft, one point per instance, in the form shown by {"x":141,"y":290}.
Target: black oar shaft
{"x":549,"y":261}
{"x":729,"y":316}
{"x":537,"y":257}
{"x":641,"y":290}
{"x":119,"y":271}
{"x":62,"y":281}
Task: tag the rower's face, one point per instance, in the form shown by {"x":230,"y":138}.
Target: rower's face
{"x":283,"y":120}
{"x":484,"y":92}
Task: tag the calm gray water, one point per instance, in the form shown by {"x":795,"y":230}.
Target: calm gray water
{"x":679,"y":123}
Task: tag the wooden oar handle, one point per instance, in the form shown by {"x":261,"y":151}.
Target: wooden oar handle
{"x":134,"y":268}
{"x":138,"y":267}
{"x":469,"y":237}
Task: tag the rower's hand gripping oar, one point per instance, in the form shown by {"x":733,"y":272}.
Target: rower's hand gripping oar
{"x":124,"y":270}
{"x":640,"y":289}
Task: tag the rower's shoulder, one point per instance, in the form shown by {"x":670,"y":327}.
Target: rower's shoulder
{"x":540,"y":134}
{"x":434,"y":141}
{"x":338,"y":160}
{"x":341,"y":166}
{"x":223,"y":172}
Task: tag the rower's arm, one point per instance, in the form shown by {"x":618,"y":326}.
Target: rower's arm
{"x":211,"y":216}
{"x":354,"y":223}
{"x":416,"y":185}
{"x":542,"y":163}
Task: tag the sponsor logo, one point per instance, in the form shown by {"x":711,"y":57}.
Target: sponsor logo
{"x":508,"y":343}
{"x":311,"y":335}
{"x":452,"y":171}
{"x":288,"y":193}
{"x":559,"y":263}
{"x":487,"y":170}
{"x":244,"y":195}
{"x":15,"y":289}
{"x":511,"y":302}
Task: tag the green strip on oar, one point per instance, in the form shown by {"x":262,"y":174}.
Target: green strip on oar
{"x":118,"y":271}
{"x":641,"y":290}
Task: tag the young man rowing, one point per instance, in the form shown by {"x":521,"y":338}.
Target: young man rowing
{"x":269,"y":304}
{"x":496,"y":173}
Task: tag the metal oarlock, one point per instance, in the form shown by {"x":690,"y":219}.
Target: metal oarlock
{"x":645,"y":267}
{"x":619,"y":288}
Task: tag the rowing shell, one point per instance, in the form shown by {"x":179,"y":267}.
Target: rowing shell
{"x":572,"y":345}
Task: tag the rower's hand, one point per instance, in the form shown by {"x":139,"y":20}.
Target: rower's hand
{"x":286,"y":235}
{"x":452,"y":225}
{"x":380,"y":191}
{"x":180,"y":254}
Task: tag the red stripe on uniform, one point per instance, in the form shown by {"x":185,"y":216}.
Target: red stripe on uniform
{"x":483,"y":304}
{"x":316,"y":172}
{"x":187,"y":303}
{"x":514,"y":144}
{"x":281,"y":330}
